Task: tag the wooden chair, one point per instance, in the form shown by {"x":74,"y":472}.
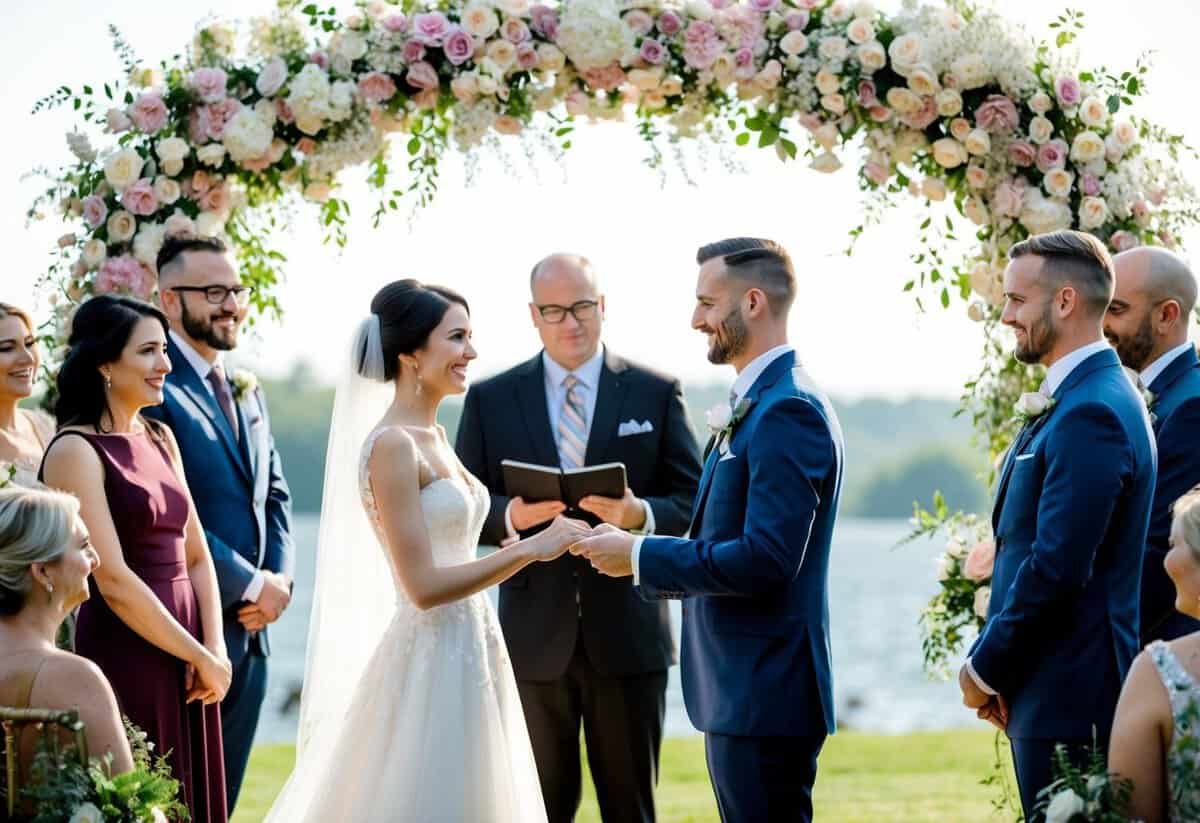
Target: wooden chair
{"x":13,"y":721}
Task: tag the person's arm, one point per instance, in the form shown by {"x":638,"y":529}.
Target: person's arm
{"x":1086,"y":468}
{"x":790,"y":456}
{"x":395,"y":481}
{"x":73,"y":466}
{"x":678,"y":470}
{"x":1141,"y":734}
{"x":280,"y":554}
{"x":69,"y":681}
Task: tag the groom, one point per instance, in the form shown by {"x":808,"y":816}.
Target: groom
{"x":756,"y":670}
{"x":1070,"y":518}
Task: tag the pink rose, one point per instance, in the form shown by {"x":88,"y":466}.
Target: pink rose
{"x":376,"y":87}
{"x":209,"y":84}
{"x":272,"y":77}
{"x":507,"y":124}
{"x":1123,"y":240}
{"x":515,"y":31}
{"x":702,"y":46}
{"x":978,"y":565}
{"x":306,"y":145}
{"x":95,"y":211}
{"x":1068,"y":91}
{"x":811,"y":120}
{"x":431,"y":28}
{"x":764,"y":6}
{"x":1007,"y":200}
{"x":139,"y":197}
{"x":1052,"y":155}
{"x":422,"y":75}
{"x":198,"y":125}
{"x":867,"y":94}
{"x":414,"y":52}
{"x":997,"y":115}
{"x":319,"y":58}
{"x":1090,"y":185}
{"x":123,"y":275}
{"x":653,"y":52}
{"x":639,"y":22}
{"x":458,"y":46}
{"x":740,"y":26}
{"x":921,"y":118}
{"x":577,"y":102}
{"x":605,"y":79}
{"x":395,"y":23}
{"x":544,"y":20}
{"x":283,"y":110}
{"x":880,"y":114}
{"x":527,"y":56}
{"x":1157,"y":195}
{"x":796,"y":20}
{"x":219,"y":115}
{"x":1021,"y":153}
{"x":216,"y":199}
{"x":1140,"y":210}
{"x":149,"y":113}
{"x":199,"y":185}
{"x":669,"y":23}
{"x":877,"y":173}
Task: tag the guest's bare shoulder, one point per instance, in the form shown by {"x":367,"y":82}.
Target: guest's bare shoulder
{"x":67,"y":680}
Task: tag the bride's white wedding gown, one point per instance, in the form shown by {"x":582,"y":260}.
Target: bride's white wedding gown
{"x":435,"y":731}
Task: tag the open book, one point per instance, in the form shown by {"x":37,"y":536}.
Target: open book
{"x":536,"y":483}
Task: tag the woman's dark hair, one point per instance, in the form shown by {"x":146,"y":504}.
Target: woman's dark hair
{"x":100,"y":330}
{"x":408,"y":313}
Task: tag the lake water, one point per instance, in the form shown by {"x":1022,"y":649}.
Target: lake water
{"x":876,"y":594}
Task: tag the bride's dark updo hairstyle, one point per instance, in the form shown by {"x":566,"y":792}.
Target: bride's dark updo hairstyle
{"x":408,"y":312}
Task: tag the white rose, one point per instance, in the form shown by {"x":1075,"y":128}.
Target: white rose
{"x":826,"y":136}
{"x":860,"y":31}
{"x":209,"y":224}
{"x":923,"y":81}
{"x":949,"y":153}
{"x":838,"y":12}
{"x":121,"y":226}
{"x":1058,"y":182}
{"x":514,"y":8}
{"x":719,"y":417}
{"x":1041,"y":215}
{"x":977,"y":176}
{"x":349,"y":44}
{"x":949,"y":102}
{"x":87,"y":813}
{"x":794,"y":42}
{"x":212,"y":154}
{"x":903,"y":101}
{"x":147,"y":243}
{"x":1040,"y":130}
{"x":981,"y":279}
{"x":1064,"y":806}
{"x":971,"y":71}
{"x":166,"y":190}
{"x":834,"y":103}
{"x":157,"y":815}
{"x":1093,"y":112}
{"x":983,"y":597}
{"x":117,"y":121}
{"x":272,"y":77}
{"x":945,"y":566}
{"x":480,"y":20}
{"x":550,"y":58}
{"x":976,"y":211}
{"x":833,"y":49}
{"x":1093,"y":211}
{"x":933,"y":189}
{"x":960,"y":127}
{"x":864,"y":8}
{"x":1032,"y":404}
{"x":828,"y":82}
{"x":1041,"y":103}
{"x":171,"y":153}
{"x":123,"y":169}
{"x":1086,"y":147}
{"x":826,"y":163}
{"x":871,"y":56}
{"x":179,"y":224}
{"x":247,"y":136}
{"x":978,"y":143}
{"x":95,"y":252}
{"x":699,"y":9}
{"x":1125,"y":134}
{"x":905,"y":52}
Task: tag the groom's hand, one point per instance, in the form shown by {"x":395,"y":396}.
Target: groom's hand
{"x":625,"y":512}
{"x":973,"y":696}
{"x":609,"y":550}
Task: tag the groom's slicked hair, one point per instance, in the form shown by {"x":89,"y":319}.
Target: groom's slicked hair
{"x":762,"y":263}
{"x":174,"y":247}
{"x":1073,"y":257}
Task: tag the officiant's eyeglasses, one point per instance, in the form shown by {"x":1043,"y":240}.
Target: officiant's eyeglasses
{"x":581,"y":310}
{"x":217,"y":294}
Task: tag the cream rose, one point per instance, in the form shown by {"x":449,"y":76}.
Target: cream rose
{"x":123,"y":169}
{"x":212,"y":154}
{"x":833,"y":49}
{"x":983,"y":599}
{"x":923,"y":81}
{"x":949,"y":153}
{"x":148,"y":242}
{"x":960,"y":127}
{"x":502,"y":53}
{"x":905,"y":52}
{"x":978,"y":143}
{"x":976,"y":211}
{"x":903,"y":101}
{"x":480,"y":20}
{"x":1086,"y":147}
{"x":551,"y":58}
{"x":318,"y":191}
{"x":970,"y":72}
{"x":827,"y":136}
{"x":871,"y":56}
{"x":166,"y":190}
{"x":1093,"y":112}
{"x":95,"y":252}
{"x":1125,"y":134}
{"x":179,"y":225}
{"x":645,"y":79}
{"x":977,"y":176}
{"x":834,"y":103}
{"x":1093,"y":211}
{"x":209,"y":224}
{"x":794,"y":42}
{"x":949,"y":102}
{"x":1041,"y":103}
{"x":826,"y":163}
{"x":121,"y":226}
{"x":861,"y":30}
{"x":1040,"y":130}
{"x":933,"y":189}
{"x":171,"y":153}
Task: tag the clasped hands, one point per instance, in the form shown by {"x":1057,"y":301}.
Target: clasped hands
{"x":607,"y":546}
{"x":990,"y":707}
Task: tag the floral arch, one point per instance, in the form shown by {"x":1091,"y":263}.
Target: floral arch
{"x":946,"y":103}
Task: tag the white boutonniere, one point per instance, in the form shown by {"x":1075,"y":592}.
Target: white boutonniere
{"x":722,"y":420}
{"x":244,"y":382}
{"x":1033,"y":405}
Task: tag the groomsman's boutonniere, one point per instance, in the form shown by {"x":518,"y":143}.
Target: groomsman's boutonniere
{"x":244,"y":382}
{"x":1033,"y":405}
{"x":722,"y":420}
{"x":1147,"y":396}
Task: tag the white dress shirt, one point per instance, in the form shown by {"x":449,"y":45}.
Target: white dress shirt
{"x":203,"y":367}
{"x":1151,"y":372}
{"x":587,"y":386}
{"x":1058,"y":372}
{"x":745,"y":379}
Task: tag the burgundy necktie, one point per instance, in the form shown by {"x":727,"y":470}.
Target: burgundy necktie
{"x":216,"y":376}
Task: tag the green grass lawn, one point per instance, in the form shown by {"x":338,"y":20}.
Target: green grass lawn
{"x":915,"y":778}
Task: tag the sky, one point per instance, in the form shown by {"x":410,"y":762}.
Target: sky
{"x":856,"y":331}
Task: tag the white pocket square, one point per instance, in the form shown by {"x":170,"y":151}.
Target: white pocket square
{"x":634,"y":427}
{"x":727,"y":456}
{"x":1026,"y":456}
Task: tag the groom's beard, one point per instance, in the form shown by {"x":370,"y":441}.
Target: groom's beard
{"x":729,"y":338}
{"x":1134,"y":350}
{"x":1040,"y":338}
{"x":201,"y":328}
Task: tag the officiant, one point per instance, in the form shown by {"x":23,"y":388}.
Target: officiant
{"x":587,"y":649}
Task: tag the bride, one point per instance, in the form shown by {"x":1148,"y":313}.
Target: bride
{"x":409,"y":709}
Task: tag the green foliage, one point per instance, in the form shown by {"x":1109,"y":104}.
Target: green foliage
{"x":1095,"y":794}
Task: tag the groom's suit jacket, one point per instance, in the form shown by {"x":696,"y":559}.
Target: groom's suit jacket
{"x":756,"y":653}
{"x":238,"y":486}
{"x":505,"y":417}
{"x":1176,"y":420}
{"x":1072,"y":508}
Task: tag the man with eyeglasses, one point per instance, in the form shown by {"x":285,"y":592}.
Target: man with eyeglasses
{"x":586,"y":649}
{"x":232,"y":469}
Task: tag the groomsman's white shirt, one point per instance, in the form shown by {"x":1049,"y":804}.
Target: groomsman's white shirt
{"x":1055,"y":375}
{"x":588,"y":385}
{"x":740,"y":386}
{"x":1151,"y":372}
{"x":202,"y":368}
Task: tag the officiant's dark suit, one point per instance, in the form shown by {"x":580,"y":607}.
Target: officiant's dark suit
{"x":586,"y":648}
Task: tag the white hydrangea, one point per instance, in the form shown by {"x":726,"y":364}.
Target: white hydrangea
{"x":275,"y":36}
{"x":247,"y":136}
{"x":358,"y":142}
{"x":308,"y":97}
{"x":472,"y":124}
{"x":593,"y":35}
{"x":81,"y":147}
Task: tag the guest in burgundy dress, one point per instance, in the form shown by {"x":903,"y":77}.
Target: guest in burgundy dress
{"x":154,"y":625}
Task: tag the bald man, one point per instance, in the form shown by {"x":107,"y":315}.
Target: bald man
{"x":1147,"y":323}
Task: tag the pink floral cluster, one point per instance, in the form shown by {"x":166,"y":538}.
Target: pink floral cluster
{"x":124,"y":274}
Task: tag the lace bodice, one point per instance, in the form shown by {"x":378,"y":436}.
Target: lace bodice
{"x":1183,"y":757}
{"x":454,"y":508}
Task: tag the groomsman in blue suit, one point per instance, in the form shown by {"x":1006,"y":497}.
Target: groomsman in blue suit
{"x":756,"y":664}
{"x":1147,"y":324}
{"x":1070,"y":519}
{"x":233,"y":471}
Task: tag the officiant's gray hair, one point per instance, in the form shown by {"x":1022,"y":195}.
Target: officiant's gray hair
{"x":1073,"y":257}
{"x":762,"y":263}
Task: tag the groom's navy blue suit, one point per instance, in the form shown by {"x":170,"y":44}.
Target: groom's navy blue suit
{"x":245,"y":509}
{"x":1176,"y":421}
{"x":1072,"y":508}
{"x":756,"y":670}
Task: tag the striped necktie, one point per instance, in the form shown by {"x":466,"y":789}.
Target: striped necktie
{"x":572,"y":426}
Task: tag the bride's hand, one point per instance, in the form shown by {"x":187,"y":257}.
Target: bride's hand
{"x":554,"y":541}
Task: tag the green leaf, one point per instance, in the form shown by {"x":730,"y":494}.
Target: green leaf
{"x":925,"y":224}
{"x":414,"y":146}
{"x":742,"y":139}
{"x":1114,"y":104}
{"x":87,"y":89}
{"x":789,"y":147}
{"x":1086,"y":77}
{"x":945,"y":298}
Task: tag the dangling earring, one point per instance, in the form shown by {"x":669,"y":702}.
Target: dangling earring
{"x":420,"y":384}
{"x":49,"y":591}
{"x":107,"y":382}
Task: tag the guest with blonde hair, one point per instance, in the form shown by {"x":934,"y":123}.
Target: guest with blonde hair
{"x":24,"y":433}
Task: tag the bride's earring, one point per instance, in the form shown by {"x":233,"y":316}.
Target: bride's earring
{"x":420,"y":383}
{"x":49,"y":591}
{"x":107,"y":381}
